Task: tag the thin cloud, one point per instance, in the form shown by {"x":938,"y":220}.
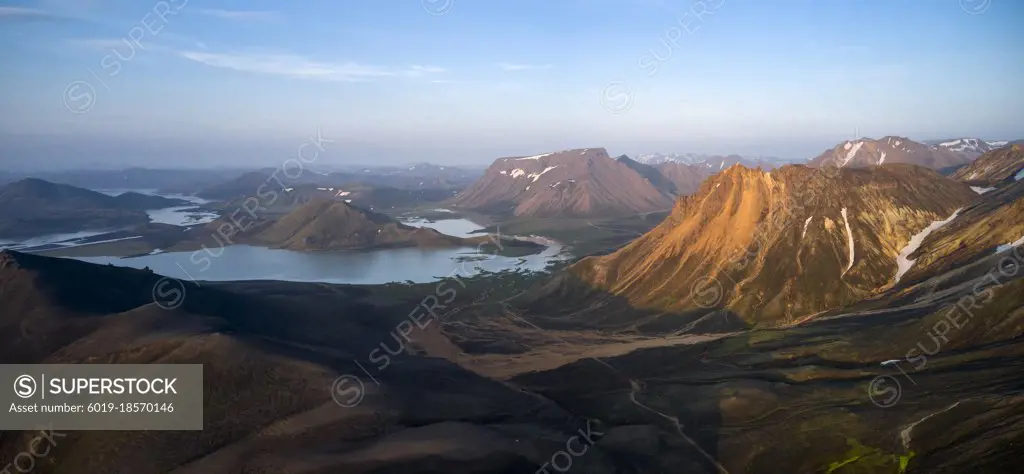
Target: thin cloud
{"x":20,"y":14}
{"x":6,"y":12}
{"x":241,"y":15}
{"x":100,"y":44}
{"x":522,"y":67}
{"x":304,"y":68}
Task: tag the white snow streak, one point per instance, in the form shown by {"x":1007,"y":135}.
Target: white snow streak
{"x":536,"y":176}
{"x":903,"y":262}
{"x":1017,"y":243}
{"x":806,"y":223}
{"x":517,"y":172}
{"x":1020,"y":175}
{"x":905,"y":433}
{"x":851,"y":153}
{"x":849,"y":239}
{"x":981,"y":190}
{"x":535,"y":157}
{"x":882,"y":159}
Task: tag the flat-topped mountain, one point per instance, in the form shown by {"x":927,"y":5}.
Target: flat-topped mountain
{"x":581,"y":183}
{"x":770,"y":246}
{"x":33,"y":206}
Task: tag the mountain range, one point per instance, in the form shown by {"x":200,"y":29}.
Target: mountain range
{"x":712,"y":163}
{"x":32,"y":207}
{"x":938,"y":155}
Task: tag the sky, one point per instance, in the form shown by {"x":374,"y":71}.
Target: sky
{"x":176,"y":83}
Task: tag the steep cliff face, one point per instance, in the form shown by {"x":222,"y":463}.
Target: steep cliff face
{"x":581,"y":183}
{"x":781,"y":244}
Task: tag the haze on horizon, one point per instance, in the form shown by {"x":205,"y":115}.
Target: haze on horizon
{"x":242,"y":83}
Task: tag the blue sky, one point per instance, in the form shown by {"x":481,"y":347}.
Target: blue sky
{"x":199,"y":83}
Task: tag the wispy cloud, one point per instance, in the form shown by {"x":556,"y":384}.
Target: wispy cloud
{"x":21,"y":14}
{"x":522,"y":67}
{"x":100,"y":44}
{"x":242,"y":15}
{"x":6,"y":12}
{"x":304,"y":68}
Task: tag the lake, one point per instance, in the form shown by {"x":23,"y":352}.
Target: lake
{"x":242,"y":262}
{"x":172,"y":215}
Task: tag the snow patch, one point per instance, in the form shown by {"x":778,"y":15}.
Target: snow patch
{"x":998,"y":144}
{"x":882,"y":159}
{"x":905,"y":432}
{"x":1017,"y":243}
{"x":517,"y":172}
{"x":954,"y":142}
{"x":1020,"y":175}
{"x":849,"y":240}
{"x":981,"y":190}
{"x":341,"y":193}
{"x":851,"y":153}
{"x":806,"y":223}
{"x":903,"y":262}
{"x":847,"y":146}
{"x":535,"y":176}
{"x":535,"y":157}
{"x":504,"y":172}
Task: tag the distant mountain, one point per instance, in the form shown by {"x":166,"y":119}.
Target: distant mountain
{"x":866,"y":152}
{"x":185,"y":181}
{"x":32,"y":206}
{"x":713,"y":163}
{"x":252,"y":183}
{"x":996,"y":166}
{"x":970,"y":148}
{"x":651,"y":173}
{"x":771,"y":246}
{"x":582,"y":183}
{"x":275,"y":200}
{"x":420,"y":181}
{"x":687,"y":178}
